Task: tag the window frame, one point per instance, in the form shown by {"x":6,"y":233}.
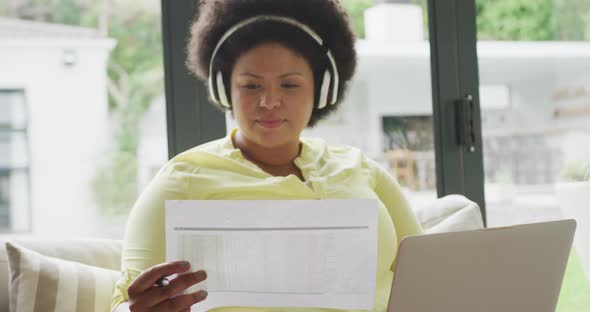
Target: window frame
{"x":186,"y":97}
{"x":454,"y":67}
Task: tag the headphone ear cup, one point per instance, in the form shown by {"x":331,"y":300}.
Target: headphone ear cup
{"x":212,"y":90}
{"x":221,"y":91}
{"x":324,"y":90}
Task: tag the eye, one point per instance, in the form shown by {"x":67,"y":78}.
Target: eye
{"x":289,"y":85}
{"x":250,"y":86}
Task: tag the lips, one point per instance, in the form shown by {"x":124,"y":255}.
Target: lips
{"x":270,"y":123}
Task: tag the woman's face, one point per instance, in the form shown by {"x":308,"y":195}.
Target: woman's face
{"x":272,"y":95}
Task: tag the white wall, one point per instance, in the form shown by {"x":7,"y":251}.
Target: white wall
{"x":67,"y":112}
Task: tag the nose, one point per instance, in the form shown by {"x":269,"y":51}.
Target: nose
{"x":270,"y":99}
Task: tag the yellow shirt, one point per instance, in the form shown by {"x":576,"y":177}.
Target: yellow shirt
{"x":218,"y":170}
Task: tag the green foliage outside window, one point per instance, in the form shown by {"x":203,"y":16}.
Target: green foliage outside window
{"x":533,"y":20}
{"x":356,"y":10}
{"x":515,"y":20}
{"x":578,"y":171}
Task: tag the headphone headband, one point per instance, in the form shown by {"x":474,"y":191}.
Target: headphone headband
{"x":273,"y":18}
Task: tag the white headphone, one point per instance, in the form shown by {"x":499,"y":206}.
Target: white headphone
{"x":324,"y":89}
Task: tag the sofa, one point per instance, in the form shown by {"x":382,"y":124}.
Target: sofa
{"x":449,"y":213}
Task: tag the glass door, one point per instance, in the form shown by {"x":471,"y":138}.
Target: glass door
{"x":534,"y":66}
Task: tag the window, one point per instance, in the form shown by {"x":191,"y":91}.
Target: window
{"x":5,"y":199}
{"x":14,"y":164}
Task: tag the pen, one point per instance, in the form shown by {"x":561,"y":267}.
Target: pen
{"x":162,"y":282}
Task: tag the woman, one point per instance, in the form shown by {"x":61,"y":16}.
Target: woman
{"x":278,"y":66}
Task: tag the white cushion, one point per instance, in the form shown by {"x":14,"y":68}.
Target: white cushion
{"x":450,"y":213}
{"x":42,"y":283}
{"x":95,"y":252}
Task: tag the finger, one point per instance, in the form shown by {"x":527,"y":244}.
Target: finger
{"x":182,"y":302}
{"x":157,"y":295}
{"x":147,"y":278}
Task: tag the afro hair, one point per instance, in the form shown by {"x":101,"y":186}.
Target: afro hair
{"x":325,"y":17}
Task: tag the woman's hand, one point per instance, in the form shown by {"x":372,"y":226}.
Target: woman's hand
{"x":144,"y":295}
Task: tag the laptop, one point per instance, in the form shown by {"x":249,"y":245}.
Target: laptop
{"x":516,"y":268}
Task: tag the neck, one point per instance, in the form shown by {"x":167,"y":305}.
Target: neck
{"x":279,"y":156}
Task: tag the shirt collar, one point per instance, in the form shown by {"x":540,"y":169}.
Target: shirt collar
{"x":311,"y":150}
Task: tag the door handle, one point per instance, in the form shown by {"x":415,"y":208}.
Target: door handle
{"x":465,"y":124}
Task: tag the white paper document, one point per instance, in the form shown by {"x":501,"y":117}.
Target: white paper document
{"x":277,"y":253}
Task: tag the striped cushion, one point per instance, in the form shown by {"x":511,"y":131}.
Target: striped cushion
{"x":42,"y":283}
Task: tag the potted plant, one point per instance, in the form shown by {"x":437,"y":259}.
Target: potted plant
{"x":574,"y":200}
